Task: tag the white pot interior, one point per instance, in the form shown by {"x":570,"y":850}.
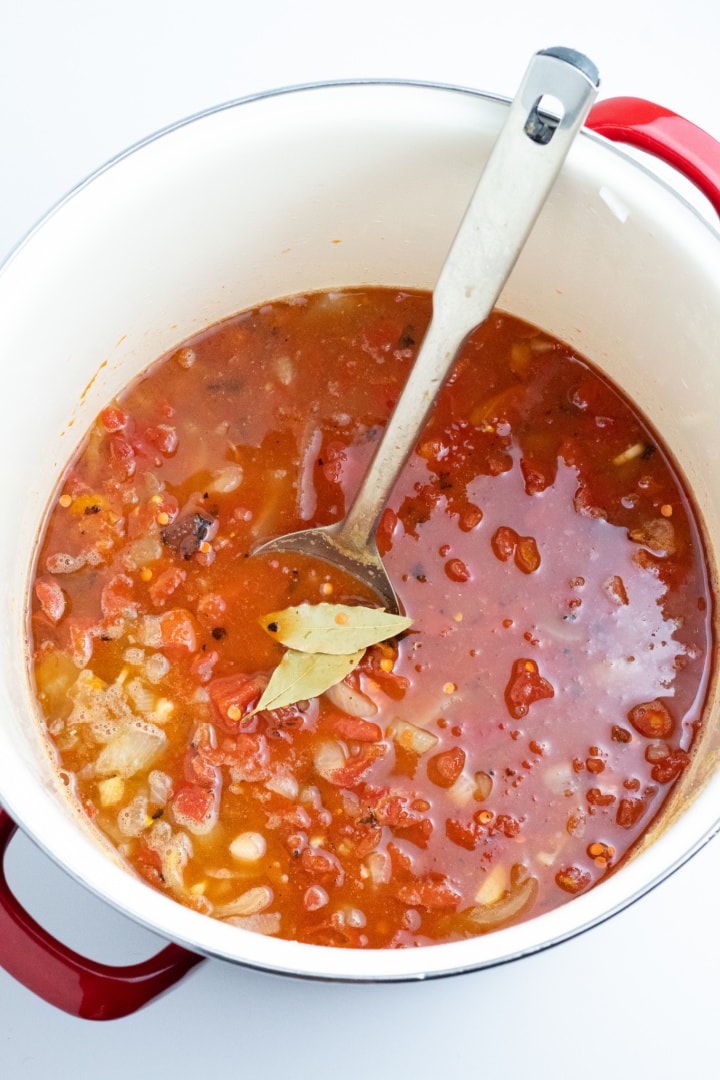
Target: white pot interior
{"x":322,"y":187}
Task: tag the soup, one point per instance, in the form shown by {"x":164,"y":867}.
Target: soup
{"x":500,"y":754}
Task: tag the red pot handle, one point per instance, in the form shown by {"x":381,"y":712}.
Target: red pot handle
{"x":67,"y":980}
{"x":663,"y":133}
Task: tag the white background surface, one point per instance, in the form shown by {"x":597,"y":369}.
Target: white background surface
{"x":79,"y":81}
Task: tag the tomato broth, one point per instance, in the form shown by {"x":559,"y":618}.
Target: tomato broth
{"x":497,"y":758}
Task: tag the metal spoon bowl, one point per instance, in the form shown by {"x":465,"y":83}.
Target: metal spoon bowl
{"x":554,"y":97}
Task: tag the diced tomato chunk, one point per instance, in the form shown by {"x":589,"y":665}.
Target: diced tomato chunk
{"x":670,"y":767}
{"x":355,"y":767}
{"x":122,"y":456}
{"x":429,"y":894}
{"x":113,"y":418}
{"x":465,"y":835}
{"x":199,"y":767}
{"x":573,"y":879}
{"x":353,"y":727}
{"x":194,"y":802}
{"x":81,"y":642}
{"x":322,"y":864}
{"x":163,"y":437}
{"x":386,"y":528}
{"x":444,"y":768}
{"x":177,"y":629}
{"x":116,"y":598}
{"x":203,"y":664}
{"x":375,"y":663}
{"x":165,"y":584}
{"x":247,"y":756}
{"x":652,"y":719}
{"x":51,"y":597}
{"x":234,"y":696}
{"x":526,"y":686}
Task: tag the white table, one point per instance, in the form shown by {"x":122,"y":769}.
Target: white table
{"x":79,"y":81}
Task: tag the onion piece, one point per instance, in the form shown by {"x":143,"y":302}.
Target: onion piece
{"x":160,"y":785}
{"x":226,"y":479}
{"x":111,"y":790}
{"x":483,"y":786}
{"x":174,"y":850}
{"x":463,"y":790}
{"x":133,"y":819}
{"x":493,"y":885}
{"x":379,"y":867}
{"x":133,"y":749}
{"x":141,"y":696}
{"x":250,"y":902}
{"x":513,"y":902}
{"x":266,"y":922}
{"x":329,"y":756}
{"x":283,"y":785}
{"x":351,"y":701}
{"x":146,"y":549}
{"x":248,"y":847}
{"x":411,"y":737}
{"x":157,"y":667}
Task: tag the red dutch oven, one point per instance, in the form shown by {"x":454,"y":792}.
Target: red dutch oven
{"x":146,"y":252}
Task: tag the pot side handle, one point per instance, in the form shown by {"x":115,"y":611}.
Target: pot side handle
{"x":663,"y":133}
{"x":80,"y":987}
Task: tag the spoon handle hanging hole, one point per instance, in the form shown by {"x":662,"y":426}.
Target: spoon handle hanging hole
{"x":544,"y":118}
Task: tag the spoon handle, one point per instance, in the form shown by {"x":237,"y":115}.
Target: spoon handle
{"x":555,"y":95}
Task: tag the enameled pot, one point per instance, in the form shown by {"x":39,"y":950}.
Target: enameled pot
{"x":316,"y":187}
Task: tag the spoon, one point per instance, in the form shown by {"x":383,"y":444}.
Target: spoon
{"x":554,"y":97}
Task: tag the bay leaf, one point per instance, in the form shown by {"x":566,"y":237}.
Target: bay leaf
{"x":301,"y":675}
{"x":337,"y":629}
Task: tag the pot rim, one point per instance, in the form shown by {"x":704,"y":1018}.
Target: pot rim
{"x":165,"y":916}
{"x":328,"y":84}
